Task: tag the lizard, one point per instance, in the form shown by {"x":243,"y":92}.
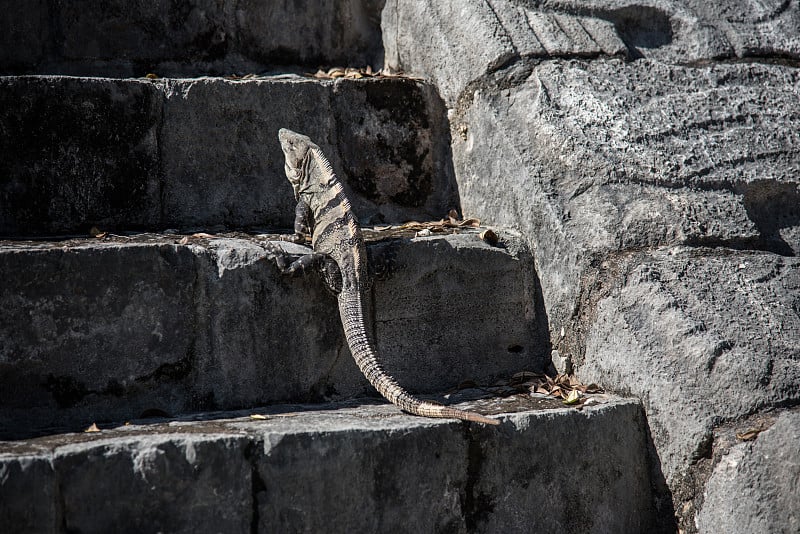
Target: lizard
{"x":324,"y":212}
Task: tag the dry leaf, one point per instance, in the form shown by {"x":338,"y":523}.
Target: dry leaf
{"x":92,"y":428}
{"x":749,"y":435}
{"x":574,"y":397}
{"x":184,"y":240}
{"x":490,"y":237}
{"x":151,"y":76}
{"x":258,"y":416}
{"x":203,"y":234}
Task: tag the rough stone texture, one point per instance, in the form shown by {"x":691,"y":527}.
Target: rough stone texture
{"x":135,"y":480}
{"x":123,"y":38}
{"x":754,"y":487}
{"x":702,"y":337}
{"x":28,"y":490}
{"x":131,"y":154}
{"x":607,"y":130}
{"x":507,"y":493}
{"x":95,"y":330}
{"x":455,"y":43}
{"x":77,"y":153}
{"x":341,"y":469}
{"x":458,"y":277}
{"x":212,"y":325}
{"x":600,"y":156}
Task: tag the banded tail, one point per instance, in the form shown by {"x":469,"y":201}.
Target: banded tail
{"x":351,"y":310}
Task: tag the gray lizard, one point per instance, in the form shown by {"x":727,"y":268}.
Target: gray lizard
{"x":324,"y":212}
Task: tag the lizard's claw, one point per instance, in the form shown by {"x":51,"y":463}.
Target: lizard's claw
{"x":276,"y":253}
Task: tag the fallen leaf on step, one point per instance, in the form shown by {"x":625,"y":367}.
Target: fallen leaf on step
{"x":258,"y":416}
{"x":749,"y":435}
{"x":573,"y":398}
{"x":151,"y":76}
{"x":184,"y":240}
{"x":203,"y":234}
{"x":92,"y":428}
{"x":490,"y":237}
{"x":96,"y":232}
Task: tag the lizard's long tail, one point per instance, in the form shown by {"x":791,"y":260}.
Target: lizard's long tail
{"x":351,"y":310}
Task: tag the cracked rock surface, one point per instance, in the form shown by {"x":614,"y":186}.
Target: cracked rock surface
{"x":211,"y":324}
{"x":337,"y":468}
{"x":648,"y":152}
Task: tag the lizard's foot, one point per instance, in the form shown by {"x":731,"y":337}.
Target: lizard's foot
{"x":289,"y":263}
{"x":276,"y":254}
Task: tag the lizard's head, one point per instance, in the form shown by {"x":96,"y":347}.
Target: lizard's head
{"x":297,"y":152}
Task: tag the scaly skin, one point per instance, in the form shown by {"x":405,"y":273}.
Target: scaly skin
{"x":339,"y":248}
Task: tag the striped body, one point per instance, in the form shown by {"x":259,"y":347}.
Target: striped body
{"x":325,"y":211}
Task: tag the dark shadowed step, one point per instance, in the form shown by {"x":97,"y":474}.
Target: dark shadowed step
{"x":108,"y":330}
{"x":140,"y":154}
{"x":192,"y":37}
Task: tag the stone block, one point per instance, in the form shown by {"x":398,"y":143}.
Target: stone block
{"x":702,"y":337}
{"x":110,"y":331}
{"x":343,"y":469}
{"x":753,"y":485}
{"x":79,"y":153}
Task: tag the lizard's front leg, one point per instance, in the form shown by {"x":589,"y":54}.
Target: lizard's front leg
{"x":290,"y":263}
{"x":303,"y":223}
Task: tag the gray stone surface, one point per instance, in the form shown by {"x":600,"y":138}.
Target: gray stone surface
{"x":90,"y":328}
{"x":608,"y":133}
{"x":106,"y":330}
{"x":78,"y":152}
{"x":702,"y":337}
{"x":28,"y":490}
{"x":129,"y":480}
{"x":132,"y":154}
{"x":601,"y":156}
{"x":123,"y":38}
{"x":343,"y":469}
{"x":455,"y":43}
{"x":606,"y":494}
{"x":754,"y":487}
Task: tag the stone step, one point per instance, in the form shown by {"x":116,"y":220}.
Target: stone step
{"x":111,"y":329}
{"x":120,"y":38}
{"x":188,"y":153}
{"x":341,"y":468}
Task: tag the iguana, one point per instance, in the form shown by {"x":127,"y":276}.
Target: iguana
{"x":324,"y":212}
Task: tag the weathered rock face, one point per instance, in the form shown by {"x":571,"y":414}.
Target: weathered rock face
{"x":213,"y":325}
{"x":455,"y":43}
{"x":747,"y":489}
{"x":703,"y":336}
{"x":332,"y":468}
{"x":658,"y":186}
{"x":136,"y":154}
{"x":122,"y":38}
{"x":601,"y":156}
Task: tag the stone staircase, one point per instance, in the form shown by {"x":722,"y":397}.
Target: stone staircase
{"x":134,"y":212}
